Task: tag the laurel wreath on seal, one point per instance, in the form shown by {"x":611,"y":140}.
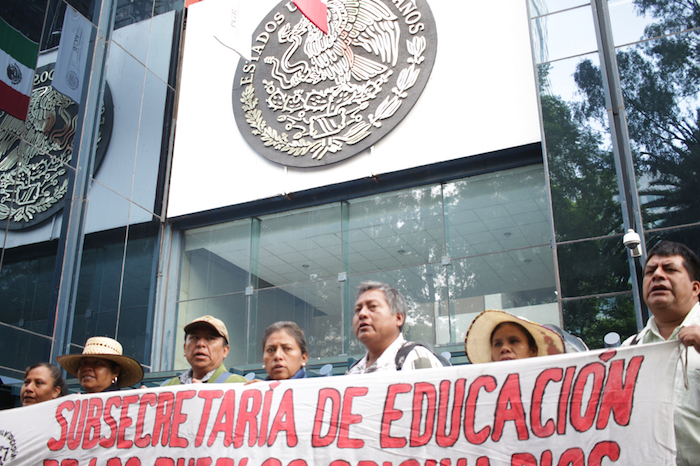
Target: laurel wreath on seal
{"x":37,"y":175}
{"x":270,"y":137}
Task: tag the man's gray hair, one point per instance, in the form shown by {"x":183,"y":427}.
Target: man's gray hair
{"x":396,"y":301}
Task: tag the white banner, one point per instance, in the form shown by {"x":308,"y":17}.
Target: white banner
{"x":608,"y":407}
{"x":72,"y":54}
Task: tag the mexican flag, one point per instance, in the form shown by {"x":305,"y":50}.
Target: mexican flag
{"x":17,"y":62}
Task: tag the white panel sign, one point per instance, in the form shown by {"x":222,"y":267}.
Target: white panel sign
{"x":481,"y":97}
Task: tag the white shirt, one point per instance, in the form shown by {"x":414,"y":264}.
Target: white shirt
{"x":686,"y":402}
{"x":387,"y":361}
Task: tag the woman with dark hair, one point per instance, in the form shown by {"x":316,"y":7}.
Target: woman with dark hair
{"x":500,"y":336}
{"x":284,"y":351}
{"x":42,"y":382}
{"x":102,"y":367}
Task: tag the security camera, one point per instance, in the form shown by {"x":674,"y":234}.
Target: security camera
{"x":633,"y":242}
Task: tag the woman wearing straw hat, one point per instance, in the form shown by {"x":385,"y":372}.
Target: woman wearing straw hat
{"x":501,"y":336}
{"x":102,"y":367}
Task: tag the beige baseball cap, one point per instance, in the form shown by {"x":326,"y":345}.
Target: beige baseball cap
{"x":209,"y":321}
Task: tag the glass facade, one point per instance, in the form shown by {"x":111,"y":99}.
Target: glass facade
{"x":654,"y":46}
{"x":453,"y":249}
{"x":89,"y":266}
{"x":541,"y":239}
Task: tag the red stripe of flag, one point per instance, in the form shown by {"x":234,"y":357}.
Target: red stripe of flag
{"x":14,"y":102}
{"x":316,"y":11}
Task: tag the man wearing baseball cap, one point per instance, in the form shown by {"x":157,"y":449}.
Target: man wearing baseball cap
{"x":206,"y":346}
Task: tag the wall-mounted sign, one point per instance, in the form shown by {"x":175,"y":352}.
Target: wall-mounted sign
{"x":35,"y":155}
{"x":309,"y":99}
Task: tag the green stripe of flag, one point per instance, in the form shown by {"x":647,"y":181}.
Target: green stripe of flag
{"x":17,"y":45}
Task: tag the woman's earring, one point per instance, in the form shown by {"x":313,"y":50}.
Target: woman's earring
{"x":303,"y":364}
{"x":115,"y":379}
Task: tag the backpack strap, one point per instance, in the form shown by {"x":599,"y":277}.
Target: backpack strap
{"x":408,"y":346}
{"x":222,"y":378}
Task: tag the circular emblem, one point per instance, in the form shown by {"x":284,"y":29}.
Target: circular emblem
{"x":309,"y":99}
{"x":33,"y":177}
{"x":14,"y":74}
{"x":72,"y":79}
{"x":8,"y":447}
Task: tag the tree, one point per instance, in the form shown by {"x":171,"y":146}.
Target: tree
{"x":660,"y":81}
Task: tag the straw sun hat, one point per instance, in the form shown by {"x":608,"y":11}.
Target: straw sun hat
{"x":105,"y":348}
{"x":477,"y":343}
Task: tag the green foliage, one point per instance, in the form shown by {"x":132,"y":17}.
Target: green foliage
{"x":660,"y":81}
{"x":582,"y":175}
{"x":591,"y":319}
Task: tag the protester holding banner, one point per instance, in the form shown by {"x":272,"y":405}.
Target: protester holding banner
{"x":380,"y":312}
{"x":501,"y":336}
{"x":102,"y":367}
{"x":671,"y":287}
{"x":42,"y":382}
{"x":284,"y":351}
{"x":206,"y":347}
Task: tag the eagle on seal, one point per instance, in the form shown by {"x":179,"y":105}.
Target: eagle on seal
{"x":352,"y":25}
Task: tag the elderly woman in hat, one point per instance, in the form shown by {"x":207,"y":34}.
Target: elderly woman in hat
{"x":501,"y":336}
{"x":102,"y":367}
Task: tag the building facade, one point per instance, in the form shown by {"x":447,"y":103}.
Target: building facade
{"x":543,"y":131}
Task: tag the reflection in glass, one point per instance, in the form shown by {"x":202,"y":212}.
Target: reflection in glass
{"x":627,"y":21}
{"x":116,"y":283}
{"x":126,"y":78}
{"x":581,"y":165}
{"x":26,"y":287}
{"x":138,"y":292}
{"x":36,"y":155}
{"x":592,"y":318}
{"x":163,"y":31}
{"x":97,"y":299}
{"x":298,"y":246}
{"x":130,"y":12}
{"x":294,"y":260}
{"x":593,"y":267}
{"x":216,"y":260}
{"x":496,"y":212}
{"x":662,"y":98}
{"x":26,"y":16}
{"x":564,"y":34}
{"x":543,"y":7}
{"x":314,"y":306}
{"x":21,"y":349}
{"x":150,"y":137}
{"x":690,"y":236}
{"x":520,"y":281}
{"x":397,"y":229}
